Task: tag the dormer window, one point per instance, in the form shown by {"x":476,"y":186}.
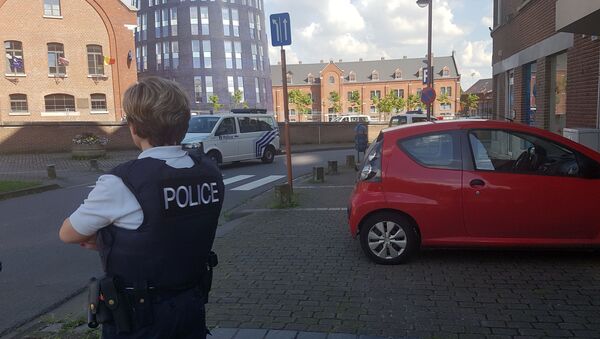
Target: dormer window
{"x":352,"y":76}
{"x":331,"y":79}
{"x":446,"y":71}
{"x":398,"y":74}
{"x":421,"y":73}
{"x":289,"y":78}
{"x":374,"y":76}
{"x":311,"y":78}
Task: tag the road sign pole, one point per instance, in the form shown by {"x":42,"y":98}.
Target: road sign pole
{"x":429,"y":59}
{"x":286,"y":112}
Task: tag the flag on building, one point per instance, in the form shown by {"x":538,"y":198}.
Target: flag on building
{"x":63,"y":61}
{"x":16,"y":63}
{"x":109,"y":61}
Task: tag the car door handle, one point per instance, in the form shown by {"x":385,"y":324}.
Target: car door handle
{"x":475,"y":183}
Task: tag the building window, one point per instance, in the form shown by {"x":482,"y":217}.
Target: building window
{"x":95,"y":60}
{"x":251,"y":24}
{"x":258,"y":29}
{"x":173,"y":21}
{"x":165,"y":22}
{"x":237,"y":50}
{"x":226,"y":21}
{"x":446,"y":107}
{"x":230,"y":86}
{"x":198,"y":89}
{"x":204,"y":21}
{"x":209,"y":86}
{"x":207,"y":53}
{"x":158,"y":53}
{"x":166,"y":49}
{"x":352,"y":77}
{"x":255,"y":60}
{"x":144,"y":21}
{"x":558,"y":101}
{"x":373,"y":109}
{"x":15,"y":63}
{"x":289,"y":78}
{"x":240,"y":87}
{"x":98,"y":102}
{"x":56,"y":59}
{"x":235,"y":16}
{"x":510,"y":97}
{"x":157,"y":24}
{"x":18,"y":103}
{"x":194,"y":20}
{"x":446,"y":91}
{"x":228,"y":54}
{"x":375,"y":94}
{"x":175,"y":54}
{"x":331,"y":79}
{"x":144,"y":57}
{"x":398,"y":93}
{"x":52,"y":7}
{"x":398,"y":74}
{"x":374,"y":76}
{"x":196,"y":54}
{"x":311,"y":78}
{"x":59,"y":103}
{"x":446,"y":71}
{"x":256,"y":83}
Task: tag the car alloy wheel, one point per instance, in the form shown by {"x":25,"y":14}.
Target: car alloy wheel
{"x":388,"y":238}
{"x":268,"y":155}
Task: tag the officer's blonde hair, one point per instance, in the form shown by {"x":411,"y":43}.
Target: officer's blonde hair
{"x":158,"y":110}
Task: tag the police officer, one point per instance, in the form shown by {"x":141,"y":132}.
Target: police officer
{"x":153,"y":220}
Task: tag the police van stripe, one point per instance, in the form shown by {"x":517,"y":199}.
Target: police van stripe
{"x":264,"y":141}
{"x":257,"y":183}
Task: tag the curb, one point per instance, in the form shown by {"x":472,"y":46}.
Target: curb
{"x":308,"y":150}
{"x":27,"y":191}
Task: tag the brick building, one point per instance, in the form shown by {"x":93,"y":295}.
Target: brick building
{"x":209,"y":47}
{"x":546,"y":62}
{"x":402,"y":77}
{"x":483,"y":89}
{"x":65,"y":60}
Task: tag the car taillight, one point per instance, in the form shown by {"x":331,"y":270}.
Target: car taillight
{"x":371,"y":170}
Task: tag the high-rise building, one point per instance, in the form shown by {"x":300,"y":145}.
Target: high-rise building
{"x":213,"y":48}
{"x":65,"y":60}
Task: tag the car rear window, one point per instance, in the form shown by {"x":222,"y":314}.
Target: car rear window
{"x":434,"y":150}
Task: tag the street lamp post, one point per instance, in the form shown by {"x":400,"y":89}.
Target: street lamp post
{"x":423,"y":4}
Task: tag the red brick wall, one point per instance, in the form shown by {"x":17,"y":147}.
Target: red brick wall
{"x":582,"y":82}
{"x":56,"y":137}
{"x":532,"y":24}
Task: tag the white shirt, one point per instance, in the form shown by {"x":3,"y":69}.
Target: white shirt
{"x":111,"y":202}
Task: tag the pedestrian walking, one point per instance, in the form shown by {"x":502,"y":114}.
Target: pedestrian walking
{"x":153,"y":220}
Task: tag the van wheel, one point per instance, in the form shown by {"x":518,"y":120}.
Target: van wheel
{"x":388,"y":238}
{"x":215,"y":156}
{"x":268,"y":155}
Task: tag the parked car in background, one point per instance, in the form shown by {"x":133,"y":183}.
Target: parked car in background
{"x":405,"y":119}
{"x":474,"y":183}
{"x":239,"y":135}
{"x":352,"y":118}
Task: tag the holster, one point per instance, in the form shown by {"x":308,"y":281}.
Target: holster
{"x":207,"y":278}
{"x":107,"y":304}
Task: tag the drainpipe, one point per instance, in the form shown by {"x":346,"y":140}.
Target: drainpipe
{"x":598,"y":104}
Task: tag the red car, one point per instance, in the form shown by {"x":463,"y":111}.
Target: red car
{"x":474,"y":183}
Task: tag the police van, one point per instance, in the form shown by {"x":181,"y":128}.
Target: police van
{"x":242,"y":134}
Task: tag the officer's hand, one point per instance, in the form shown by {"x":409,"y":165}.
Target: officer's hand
{"x":90,"y":244}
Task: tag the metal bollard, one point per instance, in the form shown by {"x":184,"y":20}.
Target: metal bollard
{"x":332,"y":167}
{"x":94,"y":164}
{"x":318,"y":174}
{"x":51,"y":170}
{"x":350,"y":161}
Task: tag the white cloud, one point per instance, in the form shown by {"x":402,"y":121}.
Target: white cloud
{"x":476,"y":54}
{"x":309,"y":31}
{"x":487,"y":21}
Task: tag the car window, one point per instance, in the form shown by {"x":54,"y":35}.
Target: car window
{"x":227,"y":126}
{"x":265,"y":124}
{"x":434,"y":150}
{"x":401,"y":120}
{"x":506,"y":151}
{"x":202,"y":124}
{"x":419,"y":119}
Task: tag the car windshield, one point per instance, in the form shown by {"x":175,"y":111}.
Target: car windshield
{"x":202,"y":124}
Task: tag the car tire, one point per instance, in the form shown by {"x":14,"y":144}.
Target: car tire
{"x":215,"y":156}
{"x":389,"y":238}
{"x":268,"y":155}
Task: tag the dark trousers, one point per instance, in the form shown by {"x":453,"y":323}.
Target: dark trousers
{"x":180,"y":316}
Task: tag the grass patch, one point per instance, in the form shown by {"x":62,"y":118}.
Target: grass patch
{"x":9,"y":186}
{"x":278,"y":204}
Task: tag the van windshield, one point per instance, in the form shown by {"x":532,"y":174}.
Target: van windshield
{"x":202,"y":124}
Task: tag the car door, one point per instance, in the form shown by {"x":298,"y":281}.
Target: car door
{"x":500,"y":201}
{"x":228,"y":139}
{"x":249,"y":133}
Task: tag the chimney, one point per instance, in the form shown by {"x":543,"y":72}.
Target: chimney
{"x":340,"y":60}
{"x":360,"y":60}
{"x":279,"y":62}
{"x":322,"y":61}
{"x":405,"y":57}
{"x":299,"y":62}
{"x":382,"y":58}
{"x":330,"y":61}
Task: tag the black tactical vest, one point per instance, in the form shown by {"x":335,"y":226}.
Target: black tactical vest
{"x":181,"y":210}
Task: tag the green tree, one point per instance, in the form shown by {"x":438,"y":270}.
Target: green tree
{"x":214,"y":100}
{"x":302,"y":101}
{"x":399,"y":104}
{"x":469,"y":102}
{"x":236,"y":98}
{"x":355,"y":101}
{"x":413,"y":102}
{"x":245,"y":105}
{"x":334,"y":101}
{"x":444,"y":99}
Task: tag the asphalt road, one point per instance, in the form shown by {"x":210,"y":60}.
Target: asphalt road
{"x":40,"y":272}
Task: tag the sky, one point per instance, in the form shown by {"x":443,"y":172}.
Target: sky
{"x":371,"y":29}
